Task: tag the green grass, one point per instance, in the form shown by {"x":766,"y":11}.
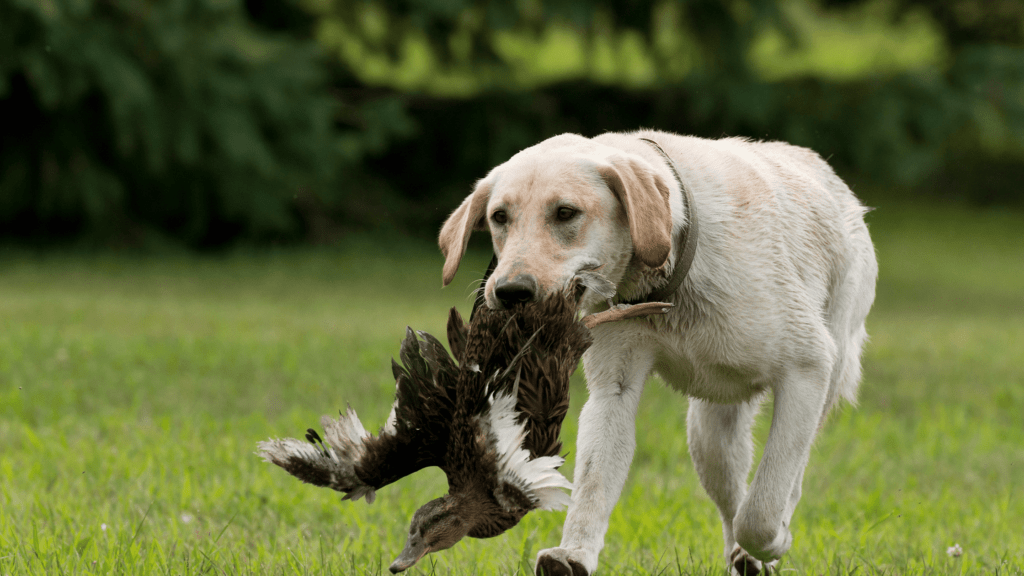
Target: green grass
{"x":133,"y":391}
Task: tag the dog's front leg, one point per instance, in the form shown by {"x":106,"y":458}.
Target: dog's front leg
{"x":604,"y":450}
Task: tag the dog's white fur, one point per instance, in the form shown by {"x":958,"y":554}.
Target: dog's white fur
{"x":782,"y":280}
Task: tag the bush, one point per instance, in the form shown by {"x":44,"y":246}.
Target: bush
{"x":176,"y":116}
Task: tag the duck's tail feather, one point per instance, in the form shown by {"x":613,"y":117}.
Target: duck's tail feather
{"x":330,"y":464}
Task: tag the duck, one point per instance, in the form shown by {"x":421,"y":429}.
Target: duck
{"x":488,"y":414}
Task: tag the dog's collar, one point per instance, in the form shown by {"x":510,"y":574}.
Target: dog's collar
{"x":685,"y":241}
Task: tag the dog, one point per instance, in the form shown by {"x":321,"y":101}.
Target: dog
{"x":780,"y":275}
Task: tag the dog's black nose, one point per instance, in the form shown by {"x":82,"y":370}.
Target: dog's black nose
{"x":520,"y":290}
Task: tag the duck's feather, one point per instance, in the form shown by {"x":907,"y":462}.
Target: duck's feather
{"x":456,"y":335}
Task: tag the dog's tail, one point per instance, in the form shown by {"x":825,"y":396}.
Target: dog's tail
{"x":853,"y":297}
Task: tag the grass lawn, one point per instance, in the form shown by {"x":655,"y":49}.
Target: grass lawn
{"x":133,"y":391}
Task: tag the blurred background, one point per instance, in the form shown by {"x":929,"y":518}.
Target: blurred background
{"x":217,"y":123}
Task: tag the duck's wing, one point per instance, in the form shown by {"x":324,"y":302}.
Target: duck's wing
{"x":353,"y":461}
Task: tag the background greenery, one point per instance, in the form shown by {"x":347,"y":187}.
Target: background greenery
{"x":135,"y":389}
{"x":212,"y":122}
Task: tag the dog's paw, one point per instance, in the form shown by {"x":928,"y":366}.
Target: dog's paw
{"x":564,"y":562}
{"x":743,"y":564}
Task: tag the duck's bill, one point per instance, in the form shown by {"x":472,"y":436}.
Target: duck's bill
{"x":409,"y":556}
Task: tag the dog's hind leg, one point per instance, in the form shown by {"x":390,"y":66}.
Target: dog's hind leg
{"x":722,"y":452}
{"x":761,"y":525}
{"x":741,"y":562}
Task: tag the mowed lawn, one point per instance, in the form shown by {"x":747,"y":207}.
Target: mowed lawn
{"x":133,"y":391}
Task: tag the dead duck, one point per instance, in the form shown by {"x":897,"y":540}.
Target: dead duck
{"x":489,"y":417}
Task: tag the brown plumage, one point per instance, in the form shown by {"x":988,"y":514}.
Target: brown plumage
{"x":488,"y":414}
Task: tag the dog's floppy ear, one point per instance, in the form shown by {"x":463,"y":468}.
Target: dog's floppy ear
{"x":469,"y":216}
{"x":645,"y":196}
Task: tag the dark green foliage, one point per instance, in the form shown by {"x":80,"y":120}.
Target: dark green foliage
{"x":177,"y":116}
{"x":901,"y":130}
{"x":973,"y":22}
{"x":212,"y":121}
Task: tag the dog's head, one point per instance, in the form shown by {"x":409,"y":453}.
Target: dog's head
{"x":565,"y":205}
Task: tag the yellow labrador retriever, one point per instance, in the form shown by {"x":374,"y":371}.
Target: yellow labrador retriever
{"x":774,"y":299}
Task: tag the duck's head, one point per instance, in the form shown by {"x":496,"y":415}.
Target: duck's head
{"x":437,"y":525}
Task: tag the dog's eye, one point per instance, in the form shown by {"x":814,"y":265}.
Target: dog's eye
{"x":499,"y":217}
{"x":565,"y":213}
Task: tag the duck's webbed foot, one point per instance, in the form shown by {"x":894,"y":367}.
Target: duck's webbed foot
{"x":623,"y":311}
